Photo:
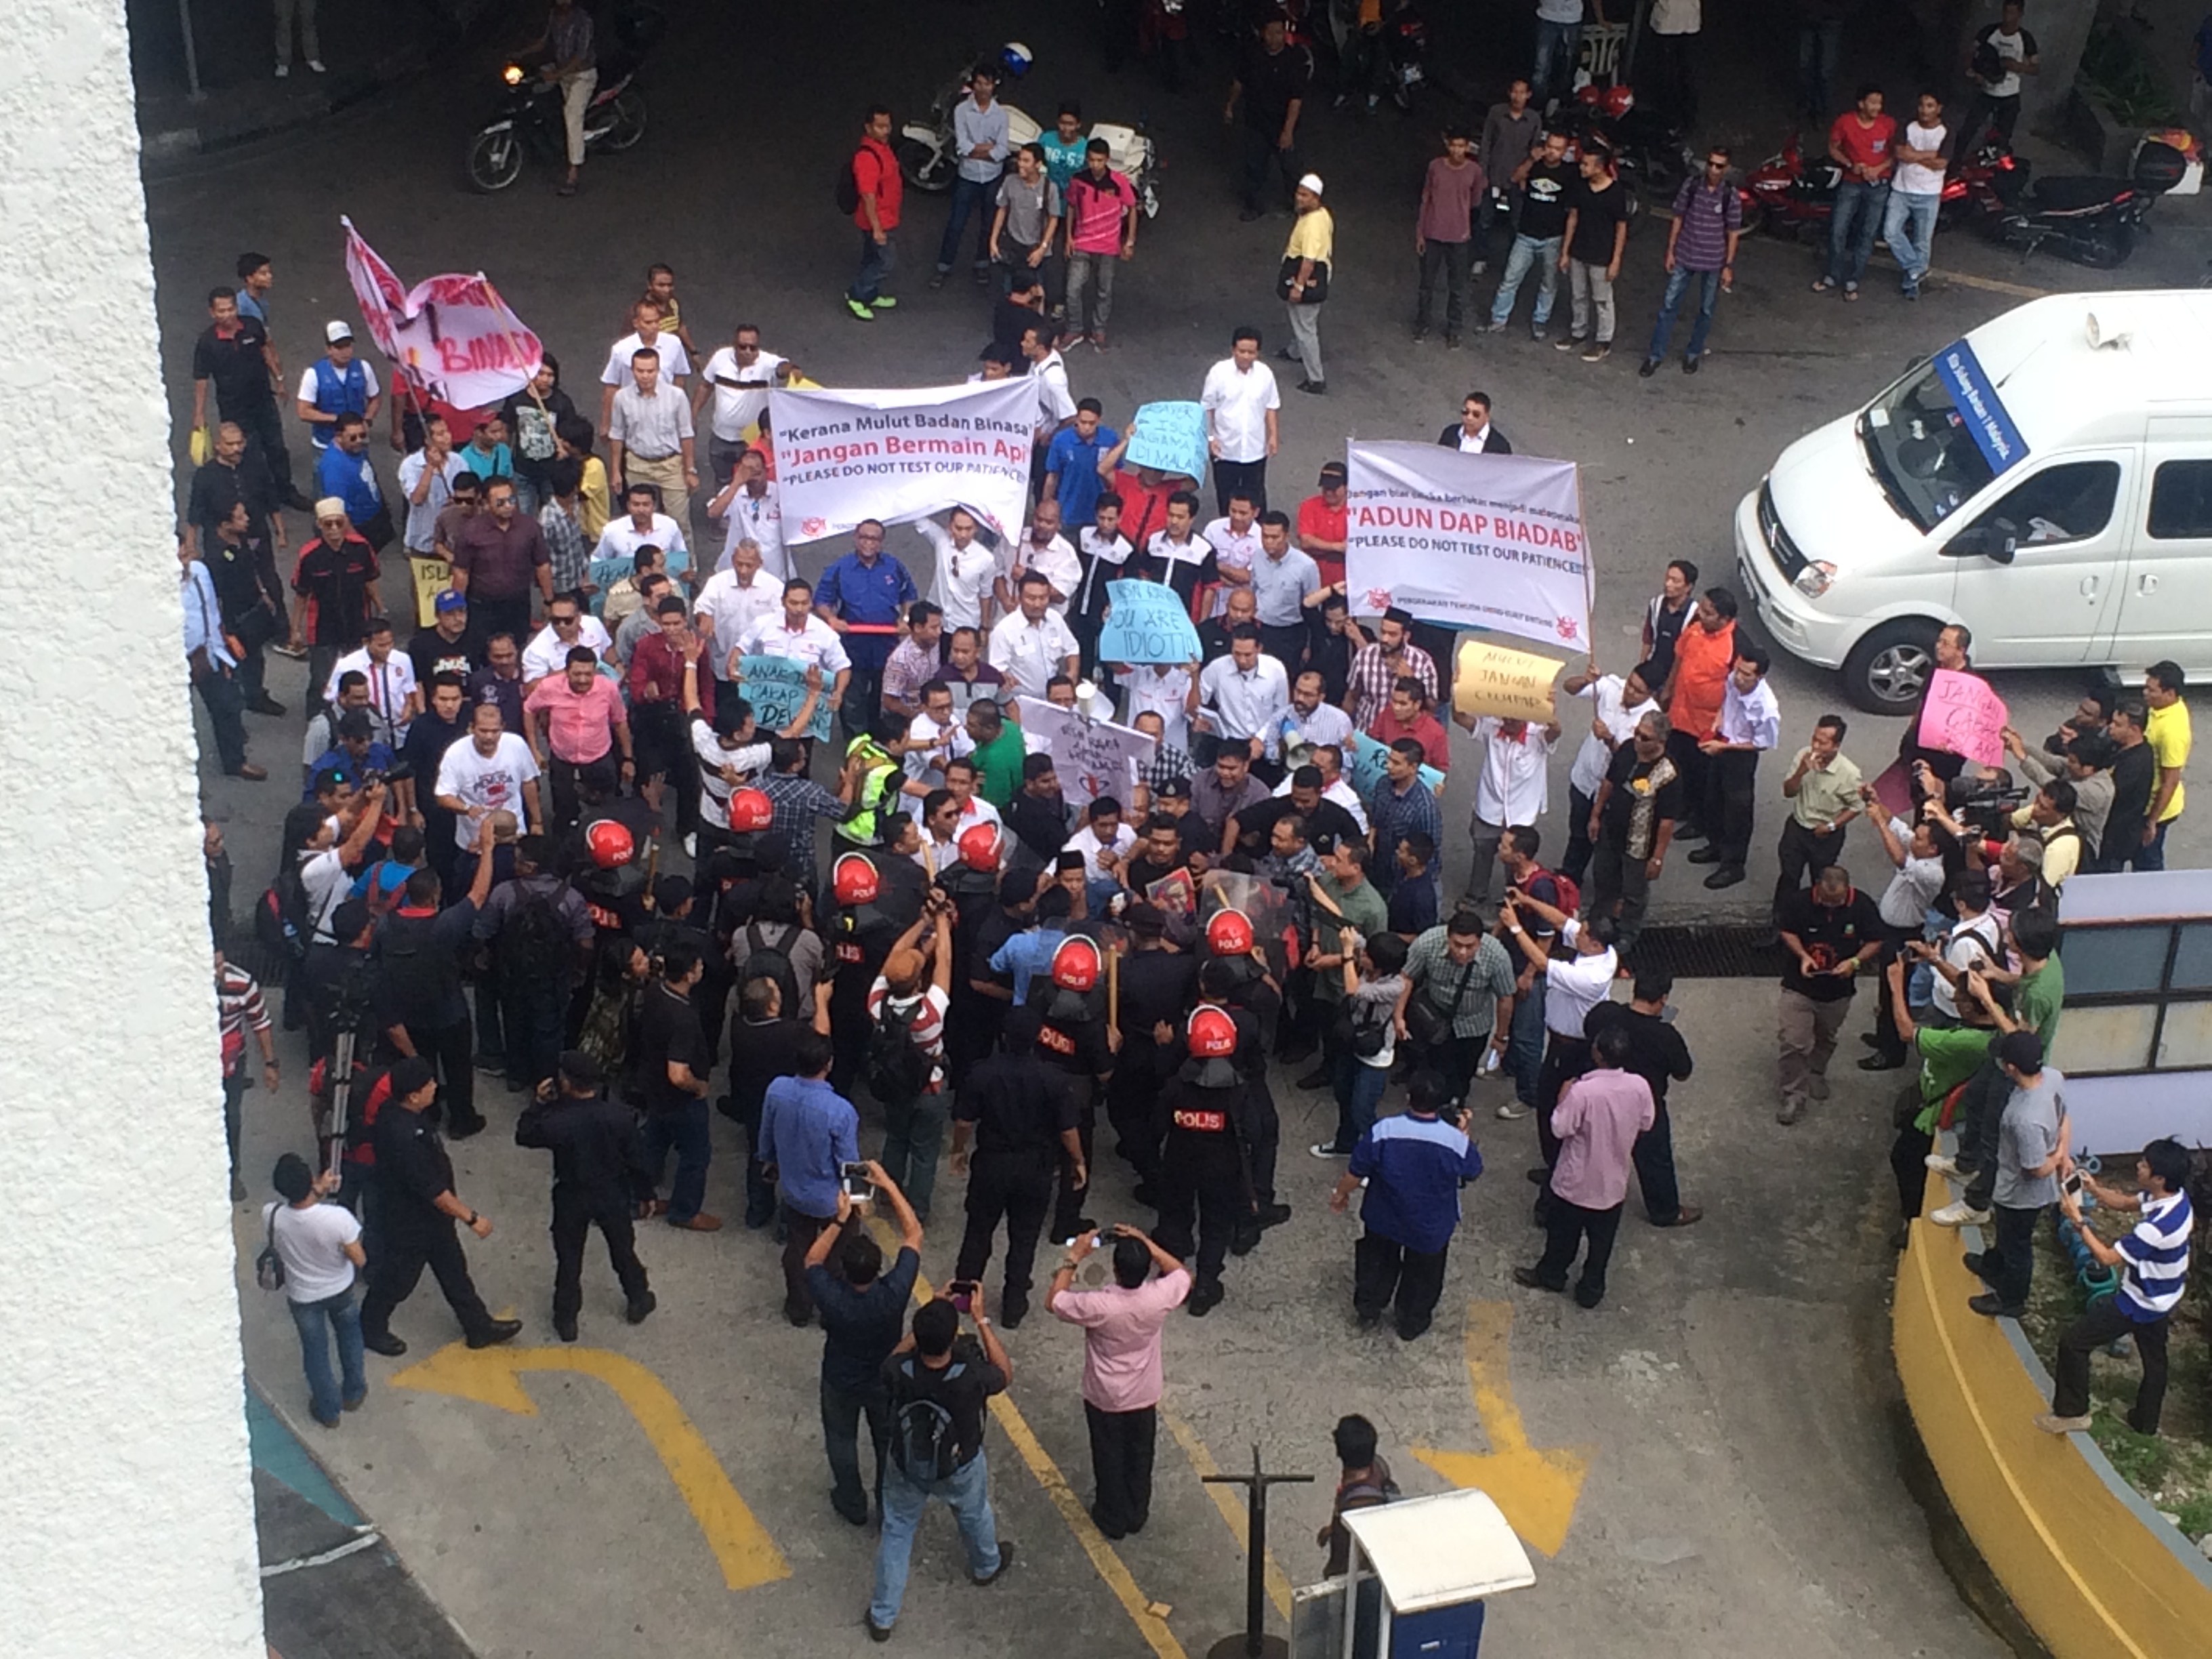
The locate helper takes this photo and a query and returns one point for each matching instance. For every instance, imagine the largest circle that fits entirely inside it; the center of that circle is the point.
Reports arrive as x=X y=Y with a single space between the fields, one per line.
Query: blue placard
x=1994 y=433
x=777 y=688
x=1147 y=624
x=1170 y=436
x=1363 y=764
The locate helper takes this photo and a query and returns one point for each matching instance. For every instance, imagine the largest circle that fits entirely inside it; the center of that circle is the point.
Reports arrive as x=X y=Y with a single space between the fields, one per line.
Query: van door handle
x=2147 y=584
x=2089 y=588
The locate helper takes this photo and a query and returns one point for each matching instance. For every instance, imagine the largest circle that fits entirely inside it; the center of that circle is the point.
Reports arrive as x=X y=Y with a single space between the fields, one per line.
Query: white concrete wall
x=126 y=1518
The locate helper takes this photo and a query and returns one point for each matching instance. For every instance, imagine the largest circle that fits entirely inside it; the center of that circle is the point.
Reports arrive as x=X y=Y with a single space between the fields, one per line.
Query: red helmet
x=1211 y=1034
x=1228 y=933
x=1075 y=964
x=610 y=843
x=854 y=880
x=979 y=847
x=750 y=809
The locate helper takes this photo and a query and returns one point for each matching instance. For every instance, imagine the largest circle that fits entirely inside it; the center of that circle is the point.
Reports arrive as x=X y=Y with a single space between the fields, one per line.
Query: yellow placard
x=1490 y=679
x=432 y=578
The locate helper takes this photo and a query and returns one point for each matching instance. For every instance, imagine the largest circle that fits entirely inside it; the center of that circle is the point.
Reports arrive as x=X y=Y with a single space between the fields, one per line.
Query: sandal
x=1851 y=290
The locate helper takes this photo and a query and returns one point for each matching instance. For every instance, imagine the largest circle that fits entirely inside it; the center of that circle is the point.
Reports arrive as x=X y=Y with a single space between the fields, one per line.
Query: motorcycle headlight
x=512 y=74
x=1815 y=579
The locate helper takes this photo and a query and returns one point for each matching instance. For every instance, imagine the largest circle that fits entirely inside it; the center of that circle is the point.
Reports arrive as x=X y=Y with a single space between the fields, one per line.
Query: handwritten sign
x=452 y=334
x=1170 y=436
x=1363 y=764
x=431 y=577
x=1147 y=623
x=777 y=688
x=1963 y=716
x=1491 y=680
x=1092 y=757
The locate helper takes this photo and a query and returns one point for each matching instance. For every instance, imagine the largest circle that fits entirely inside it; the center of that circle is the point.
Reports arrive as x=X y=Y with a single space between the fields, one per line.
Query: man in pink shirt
x=1121 y=1380
x=579 y=716
x=1597 y=1119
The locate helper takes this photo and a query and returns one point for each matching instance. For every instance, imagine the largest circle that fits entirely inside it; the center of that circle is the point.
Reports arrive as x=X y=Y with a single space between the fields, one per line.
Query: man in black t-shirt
x=1656 y=1054
x=1596 y=232
x=862 y=1308
x=1021 y=1109
x=452 y=644
x=668 y=1075
x=234 y=354
x=230 y=474
x=1544 y=177
x=1631 y=821
x=1830 y=930
x=1273 y=79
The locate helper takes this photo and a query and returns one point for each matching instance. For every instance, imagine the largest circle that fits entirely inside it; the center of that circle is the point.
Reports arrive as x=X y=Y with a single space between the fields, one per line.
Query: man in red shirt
x=1320 y=525
x=876 y=181
x=656 y=695
x=1406 y=715
x=1863 y=143
x=1143 y=492
x=578 y=716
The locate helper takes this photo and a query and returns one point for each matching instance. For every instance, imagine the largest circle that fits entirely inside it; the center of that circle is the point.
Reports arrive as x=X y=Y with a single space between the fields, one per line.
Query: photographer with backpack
x=937 y=1384
x=905 y=1067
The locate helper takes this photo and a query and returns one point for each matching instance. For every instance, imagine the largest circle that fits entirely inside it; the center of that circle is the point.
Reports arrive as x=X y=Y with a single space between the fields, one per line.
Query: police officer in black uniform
x=1021 y=1110
x=415 y=1187
x=975 y=1032
x=1065 y=1020
x=1204 y=1163
x=596 y=1161
x=876 y=896
x=1158 y=986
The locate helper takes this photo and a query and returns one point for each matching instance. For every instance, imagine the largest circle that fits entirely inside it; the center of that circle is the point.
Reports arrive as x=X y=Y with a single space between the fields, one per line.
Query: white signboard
x=845 y=456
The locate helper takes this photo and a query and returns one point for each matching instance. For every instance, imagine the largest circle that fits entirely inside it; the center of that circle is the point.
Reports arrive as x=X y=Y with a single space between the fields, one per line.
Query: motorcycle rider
x=573 y=62
x=980 y=139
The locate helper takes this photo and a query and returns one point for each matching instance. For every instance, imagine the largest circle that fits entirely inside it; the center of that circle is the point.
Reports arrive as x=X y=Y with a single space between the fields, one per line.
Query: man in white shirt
x=1618 y=702
x=933 y=736
x=1046 y=551
x=645 y=526
x=749 y=510
x=1750 y=725
x=1032 y=645
x=1310 y=721
x=1169 y=689
x=394 y=699
x=1235 y=538
x=1056 y=400
x=567 y=625
x=489 y=773
x=733 y=601
x=1511 y=790
x=650 y=436
x=738 y=377
x=425 y=484
x=796 y=633
x=1242 y=698
x=645 y=334
x=313 y=405
x=1916 y=193
x=1105 y=839
x=321 y=1246
x=1240 y=401
x=966 y=579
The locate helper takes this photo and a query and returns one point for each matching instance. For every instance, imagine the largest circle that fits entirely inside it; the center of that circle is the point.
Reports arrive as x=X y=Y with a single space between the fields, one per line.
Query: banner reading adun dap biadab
x=845 y=456
x=1472 y=541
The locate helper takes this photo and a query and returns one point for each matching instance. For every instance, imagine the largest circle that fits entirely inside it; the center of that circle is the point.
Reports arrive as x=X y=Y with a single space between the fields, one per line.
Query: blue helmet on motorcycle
x=1014 y=59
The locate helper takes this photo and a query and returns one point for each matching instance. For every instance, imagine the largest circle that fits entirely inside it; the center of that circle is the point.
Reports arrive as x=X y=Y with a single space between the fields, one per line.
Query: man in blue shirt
x=864 y=597
x=809 y=1133
x=355 y=753
x=344 y=470
x=1071 y=464
x=980 y=141
x=1413 y=1165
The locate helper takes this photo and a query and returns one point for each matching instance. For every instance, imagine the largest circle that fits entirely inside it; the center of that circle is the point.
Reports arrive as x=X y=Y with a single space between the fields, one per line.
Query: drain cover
x=1702 y=951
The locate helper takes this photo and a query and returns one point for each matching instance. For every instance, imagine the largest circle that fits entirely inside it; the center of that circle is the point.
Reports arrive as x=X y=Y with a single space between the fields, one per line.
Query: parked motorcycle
x=2090 y=219
x=528 y=118
x=1790 y=193
x=1643 y=144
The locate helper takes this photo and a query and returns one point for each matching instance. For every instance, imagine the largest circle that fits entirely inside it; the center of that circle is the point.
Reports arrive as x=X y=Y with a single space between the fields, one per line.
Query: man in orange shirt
x=877 y=186
x=1705 y=652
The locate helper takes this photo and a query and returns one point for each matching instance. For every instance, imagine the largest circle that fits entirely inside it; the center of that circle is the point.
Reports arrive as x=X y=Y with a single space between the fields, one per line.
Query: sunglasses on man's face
x=565 y=621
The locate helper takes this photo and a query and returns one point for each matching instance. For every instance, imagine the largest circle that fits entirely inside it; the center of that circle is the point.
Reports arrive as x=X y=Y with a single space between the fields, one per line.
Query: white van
x=2046 y=481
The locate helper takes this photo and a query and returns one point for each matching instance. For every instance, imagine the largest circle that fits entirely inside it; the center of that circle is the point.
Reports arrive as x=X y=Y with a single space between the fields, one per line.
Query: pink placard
x=1963 y=716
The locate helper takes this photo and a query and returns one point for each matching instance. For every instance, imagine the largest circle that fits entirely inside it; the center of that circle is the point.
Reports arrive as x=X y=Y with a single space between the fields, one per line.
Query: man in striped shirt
x=2153 y=1263
x=240 y=1009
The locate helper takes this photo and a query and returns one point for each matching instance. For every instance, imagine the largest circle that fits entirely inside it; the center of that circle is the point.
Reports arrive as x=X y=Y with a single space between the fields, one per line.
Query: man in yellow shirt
x=1305 y=278
x=573 y=435
x=2168 y=735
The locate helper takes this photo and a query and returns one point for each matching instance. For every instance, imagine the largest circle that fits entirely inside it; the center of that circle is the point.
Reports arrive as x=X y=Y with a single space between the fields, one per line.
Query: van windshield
x=1921 y=449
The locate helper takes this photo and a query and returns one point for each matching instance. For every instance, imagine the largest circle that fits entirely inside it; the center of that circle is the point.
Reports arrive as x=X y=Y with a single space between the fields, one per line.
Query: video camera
x=1987 y=807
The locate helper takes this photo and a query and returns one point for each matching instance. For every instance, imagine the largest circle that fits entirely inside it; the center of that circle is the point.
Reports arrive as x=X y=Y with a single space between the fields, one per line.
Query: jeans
x=877 y=260
x=1540 y=254
x=1850 y=234
x=310 y=46
x=913 y=1131
x=2152 y=855
x=1358 y=1090
x=1454 y=259
x=225 y=699
x=1590 y=292
x=1983 y=113
x=1818 y=47
x=1910 y=230
x=966 y=1493
x=1678 y=284
x=340 y=1316
x=1305 y=337
x=2008 y=1264
x=2103 y=1323
x=686 y=1129
x=1524 y=1043
x=1091 y=275
x=1559 y=46
x=969 y=196
x=841 y=1411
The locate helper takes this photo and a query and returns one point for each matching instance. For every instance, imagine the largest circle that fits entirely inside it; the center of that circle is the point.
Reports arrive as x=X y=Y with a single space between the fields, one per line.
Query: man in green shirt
x=1342 y=897
x=2037 y=992
x=1823 y=791
x=999 y=752
x=1949 y=1055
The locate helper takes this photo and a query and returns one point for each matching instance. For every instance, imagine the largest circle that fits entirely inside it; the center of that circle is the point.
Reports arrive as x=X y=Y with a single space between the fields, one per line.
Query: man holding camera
x=862 y=1307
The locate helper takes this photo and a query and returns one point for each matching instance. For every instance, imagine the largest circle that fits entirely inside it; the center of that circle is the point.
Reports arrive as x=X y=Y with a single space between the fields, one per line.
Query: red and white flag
x=453 y=336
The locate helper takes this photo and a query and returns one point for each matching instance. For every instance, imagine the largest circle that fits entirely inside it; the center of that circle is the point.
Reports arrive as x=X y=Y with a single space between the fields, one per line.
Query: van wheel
x=1889 y=668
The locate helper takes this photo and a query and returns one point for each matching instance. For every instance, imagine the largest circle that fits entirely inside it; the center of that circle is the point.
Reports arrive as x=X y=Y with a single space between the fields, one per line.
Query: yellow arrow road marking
x=1202 y=1463
x=1109 y=1565
x=493 y=1376
x=1535 y=1487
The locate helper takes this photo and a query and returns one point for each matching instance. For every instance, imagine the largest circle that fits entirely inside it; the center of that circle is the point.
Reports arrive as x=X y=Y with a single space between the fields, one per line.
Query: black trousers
x=1266 y=1140
x=1981 y=1110
x=1069 y=1209
x=1261 y=158
x=841 y=1411
x=1240 y=478
x=1887 y=1042
x=1692 y=766
x=1457 y=1060
x=1576 y=858
x=1565 y=1228
x=2008 y=1264
x=2100 y=1325
x=1132 y=1096
x=1287 y=644
x=422 y=1240
x=1801 y=851
x=451 y=1050
x=1201 y=1175
x=575 y=1214
x=1384 y=1271
x=1565 y=1058
x=1016 y=1187
x=1908 y=1162
x=1121 y=1466
x=1654 y=1157
x=1731 y=799
x=506 y=615
x=264 y=426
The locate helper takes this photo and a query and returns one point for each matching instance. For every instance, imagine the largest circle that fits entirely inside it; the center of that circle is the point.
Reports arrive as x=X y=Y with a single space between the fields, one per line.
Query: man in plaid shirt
x=1167 y=764
x=563 y=522
x=1402 y=804
x=797 y=802
x=1376 y=668
x=915 y=660
x=240 y=1009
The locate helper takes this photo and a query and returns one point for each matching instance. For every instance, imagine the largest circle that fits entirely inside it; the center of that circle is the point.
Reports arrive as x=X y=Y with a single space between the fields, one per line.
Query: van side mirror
x=1992 y=542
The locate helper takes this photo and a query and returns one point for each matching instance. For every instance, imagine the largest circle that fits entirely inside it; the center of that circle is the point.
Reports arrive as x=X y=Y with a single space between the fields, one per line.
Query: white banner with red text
x=1469 y=541
x=453 y=336
x=844 y=455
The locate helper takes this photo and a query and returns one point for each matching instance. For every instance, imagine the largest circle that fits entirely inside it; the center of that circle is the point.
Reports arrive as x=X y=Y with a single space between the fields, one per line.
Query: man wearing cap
x=335 y=574
x=1321 y=532
x=415 y=1179
x=1306 y=259
x=344 y=470
x=451 y=645
x=593 y=1142
x=336 y=383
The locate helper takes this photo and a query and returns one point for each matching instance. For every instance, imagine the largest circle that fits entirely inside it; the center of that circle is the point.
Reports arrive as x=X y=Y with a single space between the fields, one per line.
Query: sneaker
x=1452 y=342
x=860 y=308
x=875 y=1632
x=1324 y=1149
x=884 y=302
x=1539 y=333
x=1493 y=327
x=284 y=71
x=1420 y=333
x=1791 y=1110
x=1073 y=337
x=1566 y=342
x=1098 y=340
x=1957 y=1214
x=1005 y=1560
x=1598 y=352
x=2051 y=1422
x=1690 y=365
x=316 y=65
x=1911 y=291
x=691 y=845
x=1647 y=369
x=982 y=275
x=1511 y=1111
x=1480 y=266
x=1943 y=1163
x=936 y=278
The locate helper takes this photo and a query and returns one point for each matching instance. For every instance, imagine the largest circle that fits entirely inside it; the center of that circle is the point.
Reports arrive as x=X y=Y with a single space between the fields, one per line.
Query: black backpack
x=896 y=1069
x=533 y=947
x=766 y=961
x=924 y=1439
x=848 y=187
